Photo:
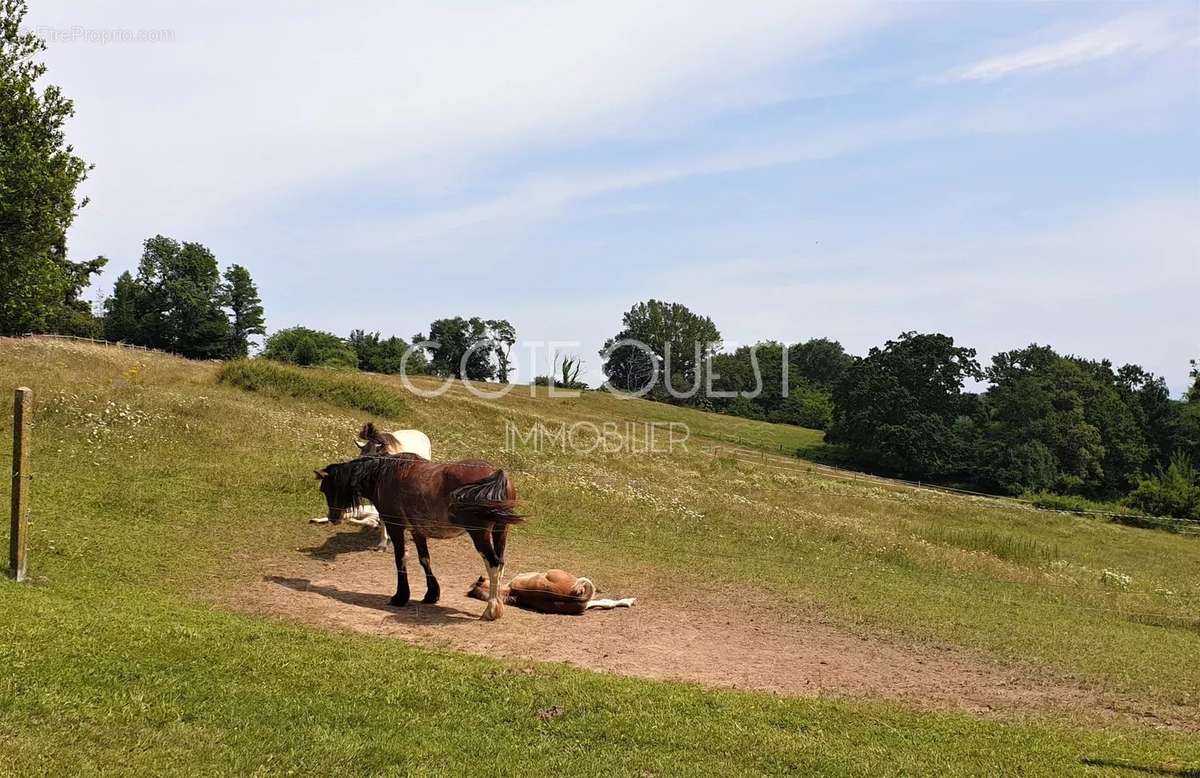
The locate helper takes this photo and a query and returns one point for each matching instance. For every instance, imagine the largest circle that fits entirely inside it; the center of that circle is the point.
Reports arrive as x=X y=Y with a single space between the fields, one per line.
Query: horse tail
x=489 y=501
x=587 y=589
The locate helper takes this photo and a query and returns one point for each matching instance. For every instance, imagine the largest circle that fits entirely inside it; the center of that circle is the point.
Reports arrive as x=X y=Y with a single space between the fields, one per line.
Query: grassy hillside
x=158 y=488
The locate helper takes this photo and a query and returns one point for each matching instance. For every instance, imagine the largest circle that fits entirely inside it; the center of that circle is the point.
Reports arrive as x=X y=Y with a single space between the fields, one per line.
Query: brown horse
x=432 y=500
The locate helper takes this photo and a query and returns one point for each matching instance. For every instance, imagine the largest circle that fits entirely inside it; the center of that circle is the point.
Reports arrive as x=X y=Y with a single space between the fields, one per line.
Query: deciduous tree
x=896 y=408
x=463 y=348
x=39 y=174
x=386 y=355
x=674 y=343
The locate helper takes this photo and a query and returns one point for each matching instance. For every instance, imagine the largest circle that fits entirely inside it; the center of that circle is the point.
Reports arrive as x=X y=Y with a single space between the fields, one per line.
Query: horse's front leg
x=494 y=564
x=432 y=590
x=396 y=531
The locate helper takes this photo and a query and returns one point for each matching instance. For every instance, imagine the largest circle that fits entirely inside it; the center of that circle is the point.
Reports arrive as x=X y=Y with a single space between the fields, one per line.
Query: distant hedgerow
x=346 y=389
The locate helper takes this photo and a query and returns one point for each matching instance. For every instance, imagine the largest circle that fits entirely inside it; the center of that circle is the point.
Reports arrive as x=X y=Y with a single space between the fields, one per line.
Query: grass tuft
x=1011 y=548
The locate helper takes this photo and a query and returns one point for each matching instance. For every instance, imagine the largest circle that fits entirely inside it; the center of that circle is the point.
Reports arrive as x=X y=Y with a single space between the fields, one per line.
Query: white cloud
x=251 y=103
x=1135 y=33
x=534 y=197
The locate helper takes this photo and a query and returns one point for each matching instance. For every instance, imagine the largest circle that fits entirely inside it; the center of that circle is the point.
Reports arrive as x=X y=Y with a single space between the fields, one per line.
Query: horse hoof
x=431 y=598
x=397 y=601
x=492 y=612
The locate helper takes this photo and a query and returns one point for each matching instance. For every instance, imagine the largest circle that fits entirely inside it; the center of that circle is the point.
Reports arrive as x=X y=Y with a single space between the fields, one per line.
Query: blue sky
x=1002 y=172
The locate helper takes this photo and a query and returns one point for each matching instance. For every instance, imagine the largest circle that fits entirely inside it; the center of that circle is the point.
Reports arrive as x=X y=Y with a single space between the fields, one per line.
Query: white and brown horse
x=373 y=441
x=430 y=500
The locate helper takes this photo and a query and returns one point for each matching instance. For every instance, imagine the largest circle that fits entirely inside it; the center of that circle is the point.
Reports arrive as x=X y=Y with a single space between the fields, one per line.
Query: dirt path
x=732 y=639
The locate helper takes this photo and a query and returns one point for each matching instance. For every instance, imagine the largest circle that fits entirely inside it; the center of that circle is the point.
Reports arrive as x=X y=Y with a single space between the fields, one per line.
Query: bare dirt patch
x=732 y=638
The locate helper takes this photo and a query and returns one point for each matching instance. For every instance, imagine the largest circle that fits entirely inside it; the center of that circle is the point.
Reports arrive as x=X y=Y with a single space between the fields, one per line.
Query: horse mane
x=370 y=432
x=350 y=482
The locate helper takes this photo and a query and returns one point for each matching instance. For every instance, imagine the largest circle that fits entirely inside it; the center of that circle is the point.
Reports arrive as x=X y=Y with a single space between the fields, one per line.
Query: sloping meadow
x=1113 y=605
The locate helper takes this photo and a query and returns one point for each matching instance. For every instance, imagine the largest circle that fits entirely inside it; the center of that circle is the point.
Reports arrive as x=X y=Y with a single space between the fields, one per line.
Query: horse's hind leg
x=383 y=535
x=500 y=541
x=482 y=538
x=396 y=531
x=432 y=590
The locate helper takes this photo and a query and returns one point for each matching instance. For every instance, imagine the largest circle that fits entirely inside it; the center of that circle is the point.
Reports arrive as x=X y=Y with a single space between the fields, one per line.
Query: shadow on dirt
x=363 y=539
x=416 y=612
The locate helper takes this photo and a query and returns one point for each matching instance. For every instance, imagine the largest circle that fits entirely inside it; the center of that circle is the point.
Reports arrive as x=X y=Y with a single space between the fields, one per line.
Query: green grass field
x=157 y=487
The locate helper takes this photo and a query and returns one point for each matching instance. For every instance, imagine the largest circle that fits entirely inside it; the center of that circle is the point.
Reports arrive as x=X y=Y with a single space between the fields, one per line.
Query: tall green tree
x=386 y=355
x=75 y=315
x=1193 y=394
x=672 y=344
x=240 y=296
x=123 y=311
x=819 y=362
x=181 y=298
x=464 y=348
x=39 y=173
x=1155 y=413
x=503 y=337
x=757 y=373
x=1078 y=411
x=899 y=408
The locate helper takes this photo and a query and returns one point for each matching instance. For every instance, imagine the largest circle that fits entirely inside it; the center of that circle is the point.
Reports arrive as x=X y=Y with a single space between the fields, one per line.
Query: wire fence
x=98 y=342
x=1187 y=619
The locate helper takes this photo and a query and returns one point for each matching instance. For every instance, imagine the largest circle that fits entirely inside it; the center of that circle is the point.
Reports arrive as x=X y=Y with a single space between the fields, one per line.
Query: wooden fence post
x=18 y=533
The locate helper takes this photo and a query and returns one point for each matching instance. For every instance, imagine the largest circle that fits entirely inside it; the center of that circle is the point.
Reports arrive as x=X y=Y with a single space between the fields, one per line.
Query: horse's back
x=413 y=442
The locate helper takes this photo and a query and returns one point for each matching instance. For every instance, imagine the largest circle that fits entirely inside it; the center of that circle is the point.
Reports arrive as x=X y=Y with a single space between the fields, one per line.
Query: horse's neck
x=370 y=485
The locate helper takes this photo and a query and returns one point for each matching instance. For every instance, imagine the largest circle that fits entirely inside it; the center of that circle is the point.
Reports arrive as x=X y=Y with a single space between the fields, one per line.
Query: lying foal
x=554 y=591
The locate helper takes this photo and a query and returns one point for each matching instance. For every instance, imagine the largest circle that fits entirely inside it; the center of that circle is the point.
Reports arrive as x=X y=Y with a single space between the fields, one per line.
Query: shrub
x=805 y=407
x=276 y=380
x=1171 y=492
x=302 y=346
x=557 y=383
x=743 y=407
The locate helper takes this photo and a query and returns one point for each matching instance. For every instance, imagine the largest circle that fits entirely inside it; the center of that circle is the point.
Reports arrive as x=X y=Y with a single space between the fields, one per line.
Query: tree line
x=1046 y=422
x=666 y=352
x=473 y=348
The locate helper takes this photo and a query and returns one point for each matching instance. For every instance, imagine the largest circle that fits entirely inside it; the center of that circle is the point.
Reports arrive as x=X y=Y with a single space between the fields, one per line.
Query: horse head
x=372 y=442
x=340 y=497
